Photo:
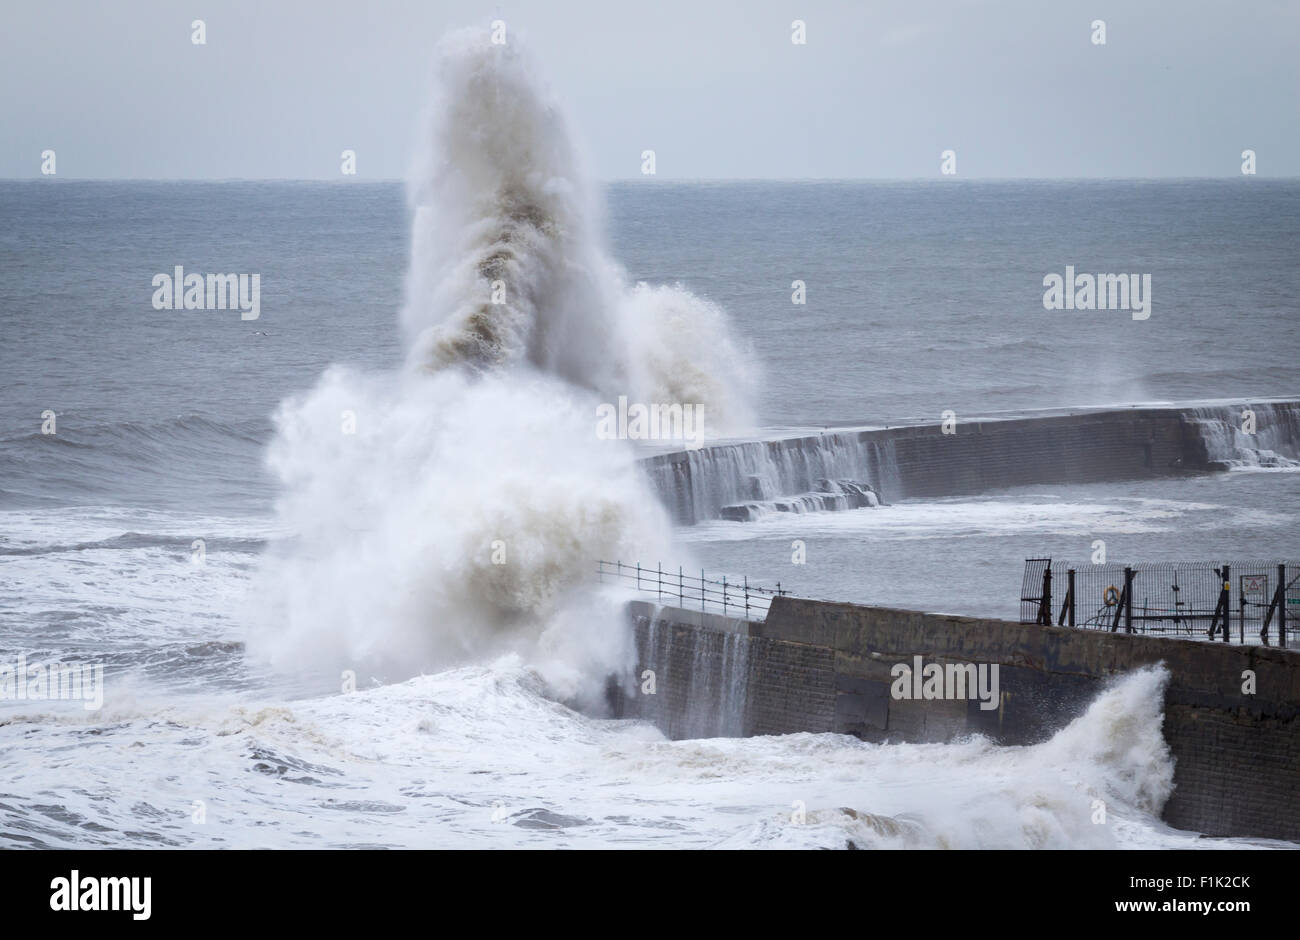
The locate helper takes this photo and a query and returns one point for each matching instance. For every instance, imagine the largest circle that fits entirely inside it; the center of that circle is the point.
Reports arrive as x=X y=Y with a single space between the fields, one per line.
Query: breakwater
x=827 y=667
x=741 y=480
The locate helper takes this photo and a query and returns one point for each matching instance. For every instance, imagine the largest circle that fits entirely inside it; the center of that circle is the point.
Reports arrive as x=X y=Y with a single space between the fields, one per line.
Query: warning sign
x=1254 y=584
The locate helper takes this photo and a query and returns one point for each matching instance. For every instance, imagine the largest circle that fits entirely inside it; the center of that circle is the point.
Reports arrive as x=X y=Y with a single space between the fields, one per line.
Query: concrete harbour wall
x=825 y=667
x=918 y=461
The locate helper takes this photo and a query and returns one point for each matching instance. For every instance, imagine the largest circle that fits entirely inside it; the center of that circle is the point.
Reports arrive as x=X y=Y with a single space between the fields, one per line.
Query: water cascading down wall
x=824 y=667
x=816 y=666
x=921 y=461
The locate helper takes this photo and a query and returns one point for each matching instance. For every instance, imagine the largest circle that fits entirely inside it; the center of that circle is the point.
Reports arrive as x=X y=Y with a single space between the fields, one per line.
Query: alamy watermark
x=41 y=682
x=181 y=291
x=78 y=893
x=1098 y=292
x=928 y=681
x=653 y=422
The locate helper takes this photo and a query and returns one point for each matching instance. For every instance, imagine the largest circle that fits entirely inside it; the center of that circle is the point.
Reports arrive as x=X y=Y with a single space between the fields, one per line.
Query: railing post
x=1065 y=603
x=659 y=583
x=1241 y=618
x=1241 y=615
x=1281 y=605
x=746 y=597
x=1128 y=600
x=1225 y=596
x=1214 y=619
x=638 y=575
x=724 y=595
x=681 y=594
x=1045 y=602
x=1071 y=590
x=701 y=590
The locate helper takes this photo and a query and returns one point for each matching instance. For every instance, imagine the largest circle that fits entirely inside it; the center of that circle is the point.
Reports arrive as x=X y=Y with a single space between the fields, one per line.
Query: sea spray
x=459 y=521
x=1117 y=745
x=1100 y=782
x=427 y=762
x=454 y=510
x=507 y=266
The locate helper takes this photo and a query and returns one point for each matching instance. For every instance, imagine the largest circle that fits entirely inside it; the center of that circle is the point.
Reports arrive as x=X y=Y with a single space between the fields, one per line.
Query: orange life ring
x=1112 y=596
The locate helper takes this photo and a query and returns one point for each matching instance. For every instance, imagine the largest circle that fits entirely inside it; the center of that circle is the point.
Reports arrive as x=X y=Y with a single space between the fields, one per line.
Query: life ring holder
x=1111 y=596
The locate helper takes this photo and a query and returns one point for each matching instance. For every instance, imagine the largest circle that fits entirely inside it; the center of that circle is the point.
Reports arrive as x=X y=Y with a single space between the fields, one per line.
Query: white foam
x=465 y=515
x=984 y=517
x=482 y=756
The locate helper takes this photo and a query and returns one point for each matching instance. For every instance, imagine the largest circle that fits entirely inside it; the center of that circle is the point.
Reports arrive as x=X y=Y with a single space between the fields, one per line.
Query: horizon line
x=653 y=180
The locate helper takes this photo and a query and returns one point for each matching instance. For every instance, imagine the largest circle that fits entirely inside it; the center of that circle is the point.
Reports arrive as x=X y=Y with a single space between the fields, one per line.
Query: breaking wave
x=454 y=509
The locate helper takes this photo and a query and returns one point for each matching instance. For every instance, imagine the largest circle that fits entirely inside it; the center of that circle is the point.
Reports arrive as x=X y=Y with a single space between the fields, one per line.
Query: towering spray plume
x=463 y=516
x=504 y=267
x=507 y=265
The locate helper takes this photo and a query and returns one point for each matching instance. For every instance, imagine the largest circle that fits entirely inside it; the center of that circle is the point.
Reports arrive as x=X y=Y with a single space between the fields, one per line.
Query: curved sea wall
x=981 y=455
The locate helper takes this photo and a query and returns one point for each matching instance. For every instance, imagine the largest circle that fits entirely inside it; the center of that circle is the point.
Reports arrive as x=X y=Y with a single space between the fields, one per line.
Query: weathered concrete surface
x=817 y=666
x=713 y=679
x=910 y=461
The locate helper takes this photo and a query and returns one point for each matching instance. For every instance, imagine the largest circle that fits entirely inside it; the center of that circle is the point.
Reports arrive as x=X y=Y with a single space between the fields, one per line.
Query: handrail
x=733 y=598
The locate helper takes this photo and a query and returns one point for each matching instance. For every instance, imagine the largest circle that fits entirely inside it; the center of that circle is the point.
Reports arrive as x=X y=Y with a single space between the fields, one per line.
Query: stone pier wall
x=818 y=666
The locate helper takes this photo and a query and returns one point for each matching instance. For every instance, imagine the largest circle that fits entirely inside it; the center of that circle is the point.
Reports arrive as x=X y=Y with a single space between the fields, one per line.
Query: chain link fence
x=1233 y=602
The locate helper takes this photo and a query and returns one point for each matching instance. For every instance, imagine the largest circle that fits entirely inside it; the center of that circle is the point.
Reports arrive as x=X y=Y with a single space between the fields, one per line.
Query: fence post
x=746 y=597
x=1225 y=596
x=1241 y=617
x=724 y=595
x=1071 y=589
x=1045 y=604
x=681 y=590
x=1065 y=604
x=701 y=593
x=1220 y=573
x=659 y=583
x=1128 y=600
x=638 y=575
x=1281 y=605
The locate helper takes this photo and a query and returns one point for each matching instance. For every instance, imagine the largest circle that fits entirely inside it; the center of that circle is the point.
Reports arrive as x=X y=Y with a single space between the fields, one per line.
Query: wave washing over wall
x=742 y=480
x=969 y=793
x=480 y=756
x=1273 y=445
x=755 y=476
x=977 y=794
x=451 y=510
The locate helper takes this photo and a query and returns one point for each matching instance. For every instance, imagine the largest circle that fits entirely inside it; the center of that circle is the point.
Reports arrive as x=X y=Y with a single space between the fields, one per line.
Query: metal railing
x=733 y=598
x=1196 y=600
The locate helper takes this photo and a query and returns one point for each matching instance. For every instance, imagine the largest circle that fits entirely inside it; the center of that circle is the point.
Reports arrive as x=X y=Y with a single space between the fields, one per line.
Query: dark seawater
x=171 y=408
x=922 y=297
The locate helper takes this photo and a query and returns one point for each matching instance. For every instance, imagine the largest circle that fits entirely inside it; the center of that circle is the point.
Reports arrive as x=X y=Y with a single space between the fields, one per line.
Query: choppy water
x=921 y=298
x=480 y=757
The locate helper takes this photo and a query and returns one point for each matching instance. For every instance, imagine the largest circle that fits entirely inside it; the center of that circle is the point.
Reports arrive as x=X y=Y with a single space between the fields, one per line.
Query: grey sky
x=717 y=89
